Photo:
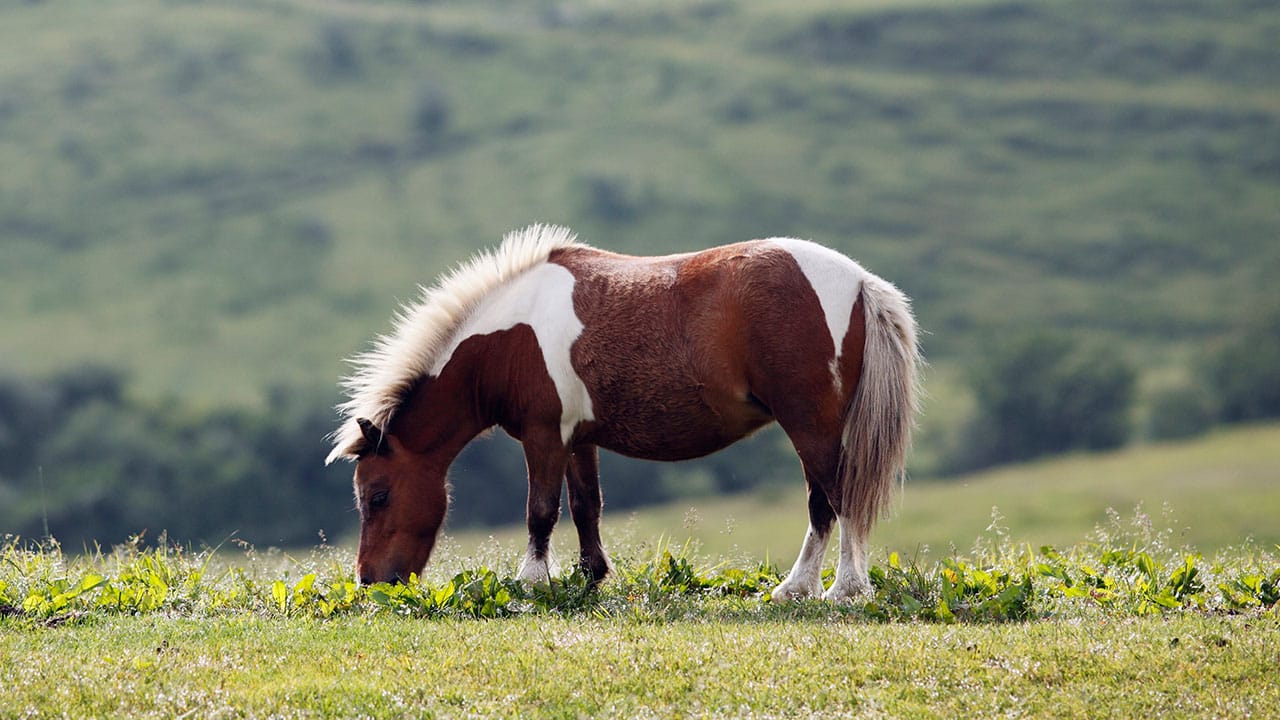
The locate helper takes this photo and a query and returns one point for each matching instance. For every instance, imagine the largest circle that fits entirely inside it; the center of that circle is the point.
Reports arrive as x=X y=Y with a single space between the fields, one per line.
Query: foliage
x=1004 y=584
x=1244 y=371
x=87 y=462
x=1180 y=411
x=955 y=591
x=1042 y=393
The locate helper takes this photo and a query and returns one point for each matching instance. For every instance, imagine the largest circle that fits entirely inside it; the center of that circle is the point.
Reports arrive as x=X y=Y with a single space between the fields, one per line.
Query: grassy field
x=1129 y=616
x=565 y=667
x=1126 y=629
x=1211 y=493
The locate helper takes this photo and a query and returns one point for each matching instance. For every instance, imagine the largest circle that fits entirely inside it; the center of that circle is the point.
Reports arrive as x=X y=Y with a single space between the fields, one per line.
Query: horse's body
x=569 y=348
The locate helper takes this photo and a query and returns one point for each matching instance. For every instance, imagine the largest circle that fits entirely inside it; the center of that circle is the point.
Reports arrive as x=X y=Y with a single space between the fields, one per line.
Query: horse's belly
x=679 y=432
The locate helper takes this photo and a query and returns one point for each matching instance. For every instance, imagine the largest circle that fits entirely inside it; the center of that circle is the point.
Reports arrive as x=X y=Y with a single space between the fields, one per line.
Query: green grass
x=551 y=667
x=1212 y=493
x=1127 y=628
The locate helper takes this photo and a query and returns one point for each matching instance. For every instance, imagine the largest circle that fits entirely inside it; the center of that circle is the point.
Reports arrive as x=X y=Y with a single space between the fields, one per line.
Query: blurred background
x=206 y=205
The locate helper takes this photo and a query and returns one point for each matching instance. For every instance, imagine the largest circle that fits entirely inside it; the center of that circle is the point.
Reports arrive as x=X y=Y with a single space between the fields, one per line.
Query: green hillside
x=206 y=205
x=1209 y=494
x=220 y=196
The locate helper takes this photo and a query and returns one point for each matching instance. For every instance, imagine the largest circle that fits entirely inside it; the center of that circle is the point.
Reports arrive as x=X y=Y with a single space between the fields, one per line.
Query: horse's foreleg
x=585 y=504
x=805 y=578
x=546 y=462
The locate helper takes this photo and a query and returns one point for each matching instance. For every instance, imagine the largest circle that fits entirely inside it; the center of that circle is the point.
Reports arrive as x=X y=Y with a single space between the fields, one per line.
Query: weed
x=1008 y=584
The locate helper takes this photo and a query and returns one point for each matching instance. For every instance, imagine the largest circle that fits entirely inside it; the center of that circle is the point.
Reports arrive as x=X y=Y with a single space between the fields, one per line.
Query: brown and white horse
x=569 y=348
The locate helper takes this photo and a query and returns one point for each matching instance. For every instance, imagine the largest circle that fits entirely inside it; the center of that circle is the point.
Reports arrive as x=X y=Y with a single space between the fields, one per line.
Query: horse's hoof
x=535 y=572
x=847 y=593
x=794 y=591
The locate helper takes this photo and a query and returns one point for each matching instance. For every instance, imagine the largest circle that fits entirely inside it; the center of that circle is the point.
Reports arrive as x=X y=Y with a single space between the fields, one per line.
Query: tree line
x=83 y=461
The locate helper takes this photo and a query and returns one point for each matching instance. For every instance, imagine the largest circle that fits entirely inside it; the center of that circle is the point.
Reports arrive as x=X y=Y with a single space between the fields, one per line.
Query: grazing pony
x=569 y=348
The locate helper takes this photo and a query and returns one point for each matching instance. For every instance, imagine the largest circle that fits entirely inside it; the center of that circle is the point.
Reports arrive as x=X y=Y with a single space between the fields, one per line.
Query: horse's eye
x=379 y=499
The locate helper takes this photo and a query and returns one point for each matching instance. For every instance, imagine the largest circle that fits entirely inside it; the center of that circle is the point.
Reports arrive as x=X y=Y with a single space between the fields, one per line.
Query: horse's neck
x=493 y=378
x=438 y=418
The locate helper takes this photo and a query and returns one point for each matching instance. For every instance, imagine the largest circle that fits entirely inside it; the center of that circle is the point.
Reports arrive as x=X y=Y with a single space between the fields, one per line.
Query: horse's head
x=402 y=499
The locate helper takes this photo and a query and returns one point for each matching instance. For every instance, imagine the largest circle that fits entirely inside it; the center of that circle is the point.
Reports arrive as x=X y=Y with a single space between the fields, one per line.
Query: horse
x=570 y=348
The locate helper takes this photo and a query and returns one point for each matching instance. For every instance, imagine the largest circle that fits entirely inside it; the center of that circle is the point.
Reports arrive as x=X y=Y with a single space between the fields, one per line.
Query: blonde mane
x=422 y=330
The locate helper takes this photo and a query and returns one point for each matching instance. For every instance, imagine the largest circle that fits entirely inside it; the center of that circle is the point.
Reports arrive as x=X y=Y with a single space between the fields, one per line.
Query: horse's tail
x=881 y=415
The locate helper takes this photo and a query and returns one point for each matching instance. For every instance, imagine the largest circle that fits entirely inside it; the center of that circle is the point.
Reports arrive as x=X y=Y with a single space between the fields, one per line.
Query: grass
x=1126 y=628
x=1212 y=493
x=571 y=667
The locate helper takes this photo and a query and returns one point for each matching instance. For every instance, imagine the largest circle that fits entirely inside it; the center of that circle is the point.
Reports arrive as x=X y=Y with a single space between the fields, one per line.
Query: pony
x=569 y=348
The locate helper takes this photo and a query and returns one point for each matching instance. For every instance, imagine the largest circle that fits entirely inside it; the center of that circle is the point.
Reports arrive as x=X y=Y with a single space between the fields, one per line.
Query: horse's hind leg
x=814 y=423
x=805 y=579
x=851 y=574
x=585 y=504
x=821 y=471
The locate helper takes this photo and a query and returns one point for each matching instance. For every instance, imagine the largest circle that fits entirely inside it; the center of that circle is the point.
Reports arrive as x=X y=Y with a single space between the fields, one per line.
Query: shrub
x=77 y=452
x=1180 y=411
x=1244 y=372
x=612 y=199
x=1043 y=393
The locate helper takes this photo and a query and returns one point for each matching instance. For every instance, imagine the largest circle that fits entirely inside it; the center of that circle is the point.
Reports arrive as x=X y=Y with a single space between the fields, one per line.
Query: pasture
x=1123 y=630
x=1126 y=618
x=554 y=666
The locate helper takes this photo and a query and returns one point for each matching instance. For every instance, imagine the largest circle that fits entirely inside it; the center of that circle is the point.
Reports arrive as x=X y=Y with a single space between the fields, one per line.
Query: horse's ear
x=371 y=433
x=373 y=438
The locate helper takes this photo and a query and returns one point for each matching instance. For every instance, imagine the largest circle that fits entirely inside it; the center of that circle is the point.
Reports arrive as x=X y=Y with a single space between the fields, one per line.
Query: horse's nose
x=366 y=580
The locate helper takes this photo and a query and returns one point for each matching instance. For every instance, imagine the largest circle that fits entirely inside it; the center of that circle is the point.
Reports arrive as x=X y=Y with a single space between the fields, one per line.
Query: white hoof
x=847 y=591
x=535 y=571
x=796 y=590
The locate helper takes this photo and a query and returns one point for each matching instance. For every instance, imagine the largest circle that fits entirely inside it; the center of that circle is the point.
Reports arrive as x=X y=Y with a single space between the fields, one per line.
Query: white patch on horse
x=541 y=298
x=534 y=569
x=836 y=280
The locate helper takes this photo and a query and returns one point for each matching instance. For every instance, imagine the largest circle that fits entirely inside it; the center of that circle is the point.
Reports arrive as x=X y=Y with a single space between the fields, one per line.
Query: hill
x=213 y=203
x=223 y=196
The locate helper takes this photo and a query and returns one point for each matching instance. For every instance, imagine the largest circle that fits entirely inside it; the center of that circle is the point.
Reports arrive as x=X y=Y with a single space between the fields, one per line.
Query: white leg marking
x=534 y=569
x=851 y=574
x=541 y=298
x=836 y=280
x=805 y=578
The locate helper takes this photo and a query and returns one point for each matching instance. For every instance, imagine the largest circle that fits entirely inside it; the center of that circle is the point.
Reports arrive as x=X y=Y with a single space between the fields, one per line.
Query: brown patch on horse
x=660 y=352
x=502 y=377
